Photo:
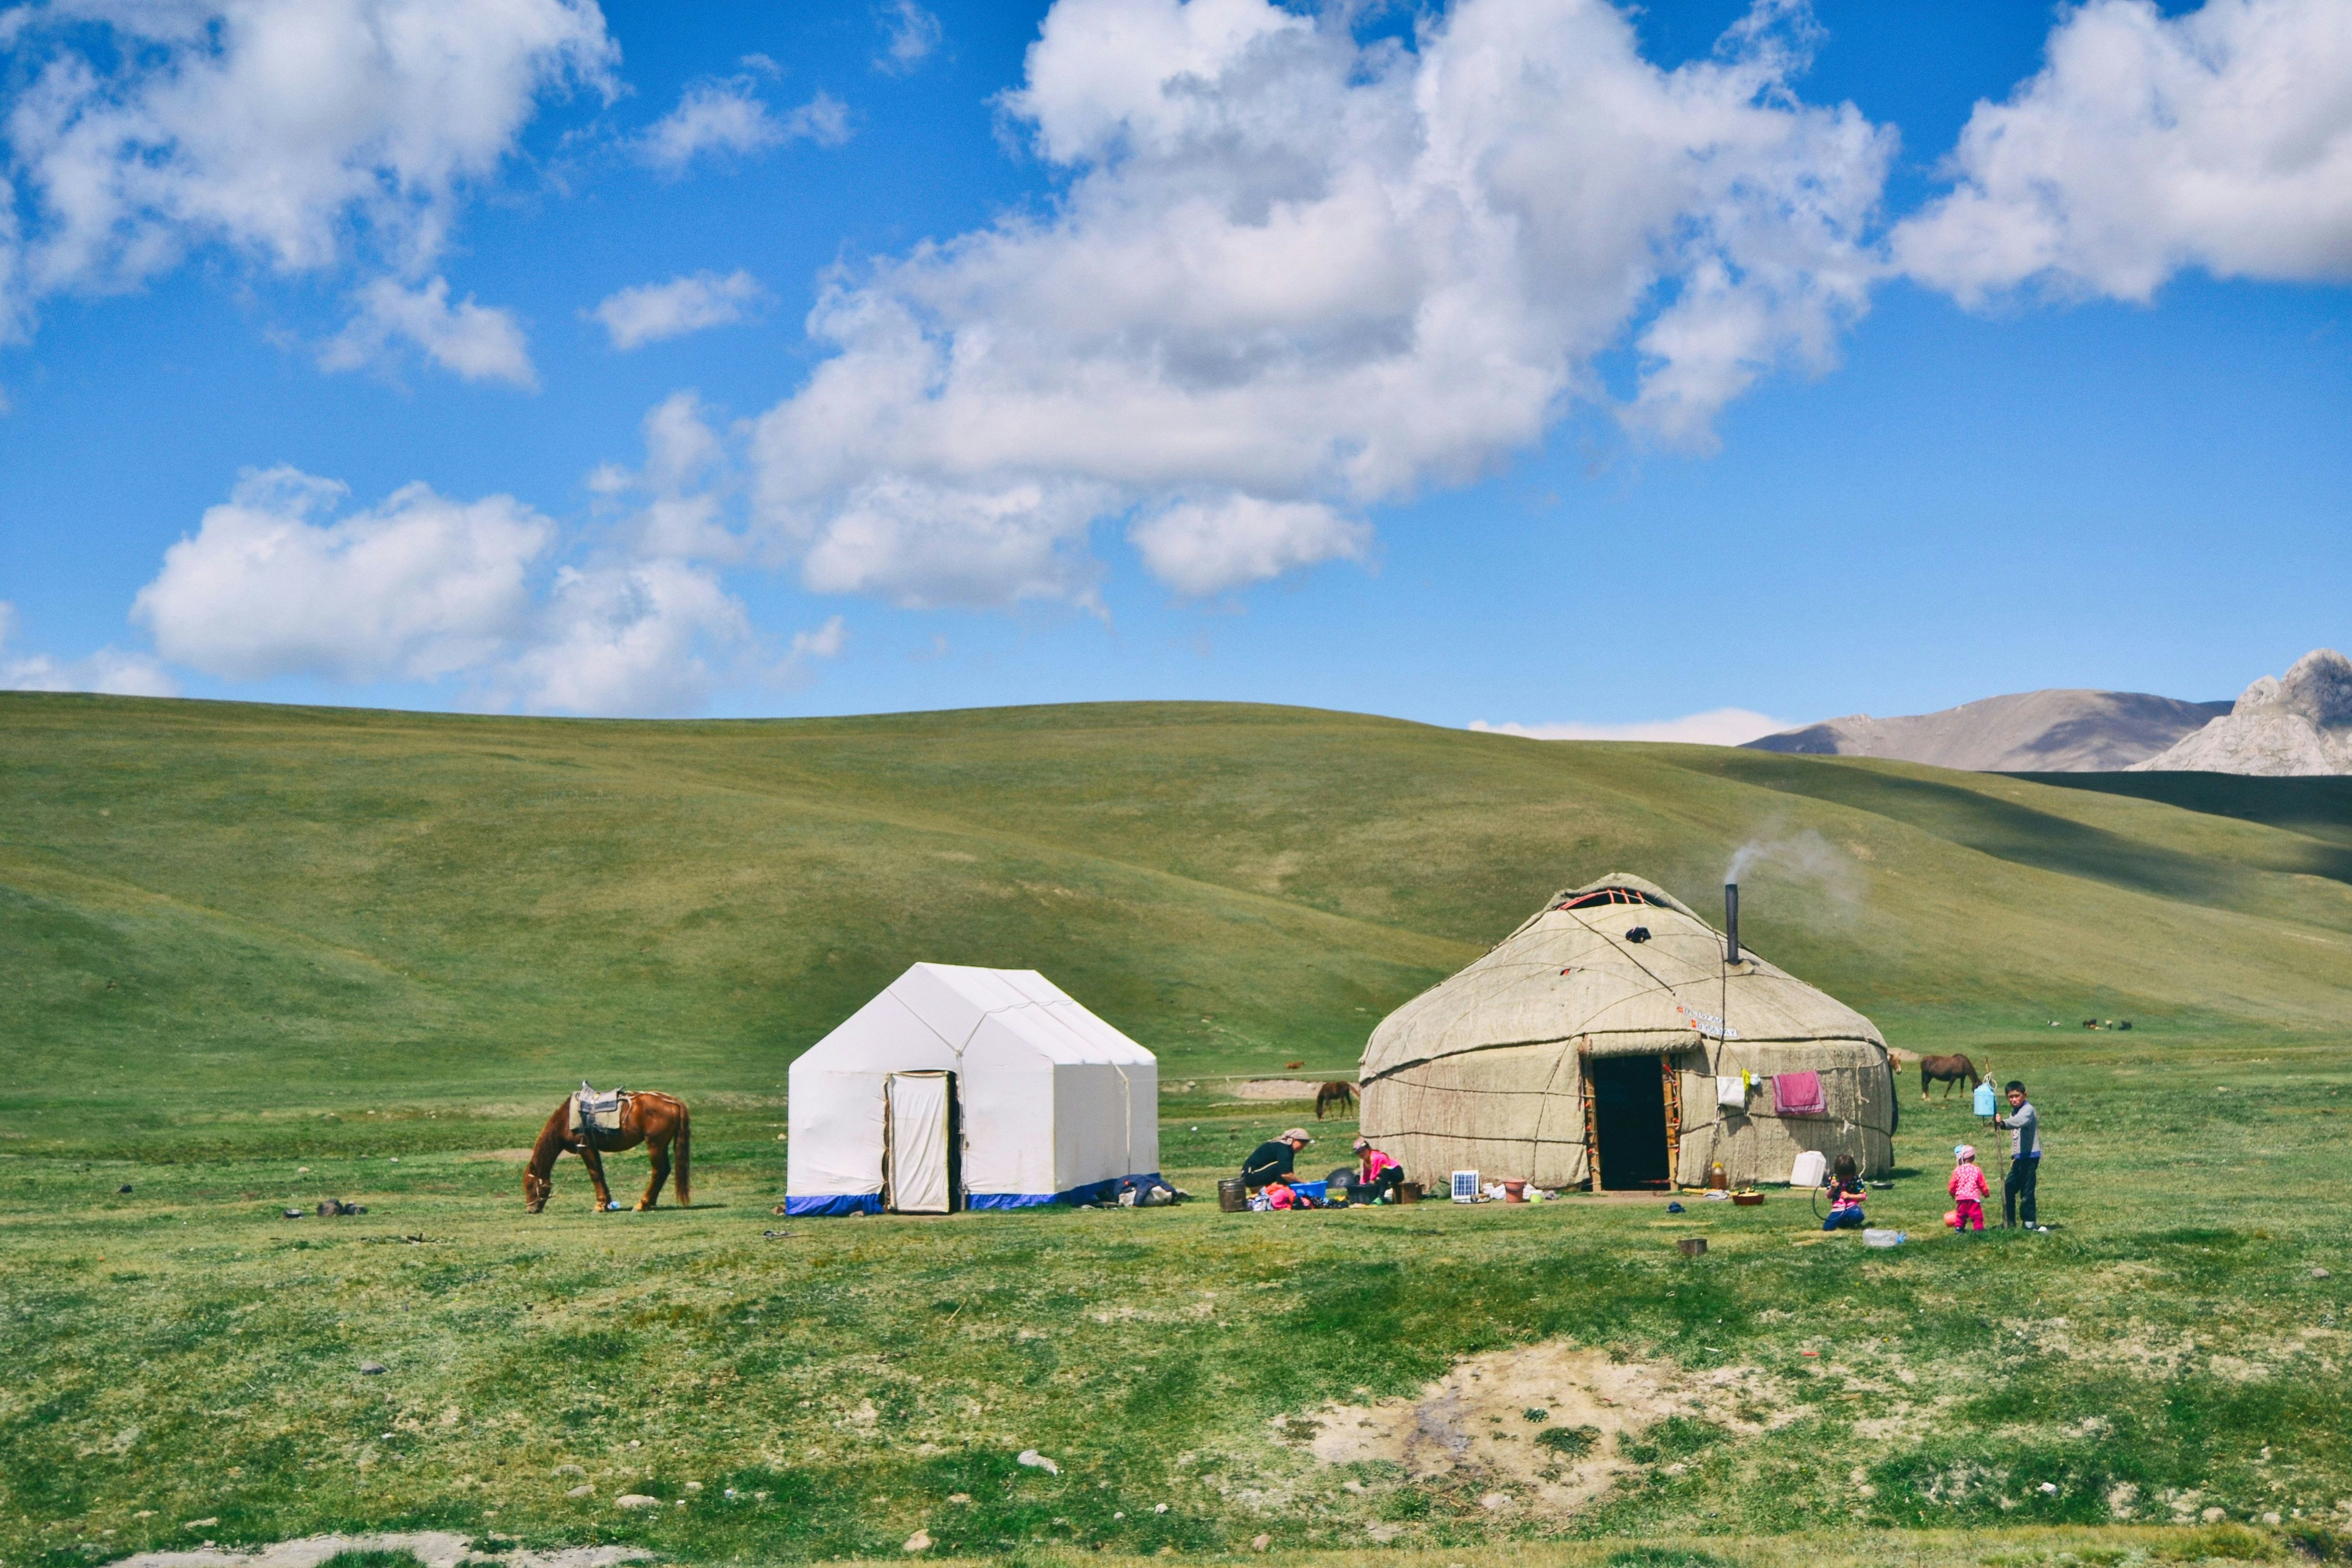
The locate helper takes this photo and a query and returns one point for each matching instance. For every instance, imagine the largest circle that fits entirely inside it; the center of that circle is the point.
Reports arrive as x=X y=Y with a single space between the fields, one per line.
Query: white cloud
x=1717 y=727
x=109 y=670
x=923 y=545
x=808 y=647
x=1293 y=270
x=296 y=132
x=728 y=116
x=680 y=496
x=914 y=35
x=1202 y=547
x=650 y=312
x=824 y=120
x=627 y=637
x=477 y=343
x=421 y=587
x=427 y=588
x=2219 y=139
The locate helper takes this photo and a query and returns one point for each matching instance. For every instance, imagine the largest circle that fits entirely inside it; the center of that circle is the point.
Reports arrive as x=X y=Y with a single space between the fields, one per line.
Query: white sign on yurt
x=960 y=1088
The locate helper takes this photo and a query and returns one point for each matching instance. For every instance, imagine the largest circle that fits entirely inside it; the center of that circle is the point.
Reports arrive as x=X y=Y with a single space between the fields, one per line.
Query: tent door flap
x=1629 y=1123
x=919 y=1139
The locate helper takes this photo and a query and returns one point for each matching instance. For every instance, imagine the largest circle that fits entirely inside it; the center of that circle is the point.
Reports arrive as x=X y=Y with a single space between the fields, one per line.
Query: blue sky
x=1521 y=361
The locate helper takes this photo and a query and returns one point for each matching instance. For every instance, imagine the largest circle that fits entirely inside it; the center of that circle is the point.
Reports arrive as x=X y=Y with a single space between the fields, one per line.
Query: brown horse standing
x=655 y=1121
x=1948 y=1071
x=1334 y=1094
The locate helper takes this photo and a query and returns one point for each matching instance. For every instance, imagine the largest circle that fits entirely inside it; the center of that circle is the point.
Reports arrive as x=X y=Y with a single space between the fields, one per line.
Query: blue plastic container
x=1988 y=1103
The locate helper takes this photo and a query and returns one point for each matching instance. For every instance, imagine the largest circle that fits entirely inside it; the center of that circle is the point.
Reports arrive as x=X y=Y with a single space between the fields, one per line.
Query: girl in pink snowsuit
x=1968 y=1188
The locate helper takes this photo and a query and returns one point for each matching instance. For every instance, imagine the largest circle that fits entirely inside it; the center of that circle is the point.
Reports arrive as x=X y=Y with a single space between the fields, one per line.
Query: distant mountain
x=2028 y=732
x=2295 y=726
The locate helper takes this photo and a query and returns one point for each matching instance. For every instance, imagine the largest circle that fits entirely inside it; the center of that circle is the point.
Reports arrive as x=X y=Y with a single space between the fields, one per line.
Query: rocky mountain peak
x=2298 y=724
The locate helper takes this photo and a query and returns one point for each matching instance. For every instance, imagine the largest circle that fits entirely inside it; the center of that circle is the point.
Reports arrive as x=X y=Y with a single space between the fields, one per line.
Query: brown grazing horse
x=1948 y=1071
x=655 y=1121
x=1334 y=1094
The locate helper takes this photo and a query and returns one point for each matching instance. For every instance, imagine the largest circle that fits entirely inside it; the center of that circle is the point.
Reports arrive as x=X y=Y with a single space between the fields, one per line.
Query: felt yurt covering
x=1038 y=1100
x=1495 y=1069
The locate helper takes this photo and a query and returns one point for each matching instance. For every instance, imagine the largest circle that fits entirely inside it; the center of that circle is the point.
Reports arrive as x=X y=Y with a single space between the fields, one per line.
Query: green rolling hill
x=294 y=906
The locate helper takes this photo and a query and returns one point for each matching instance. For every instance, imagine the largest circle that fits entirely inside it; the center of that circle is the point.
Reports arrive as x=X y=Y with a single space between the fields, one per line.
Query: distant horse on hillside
x=657 y=1120
x=1948 y=1071
x=1334 y=1095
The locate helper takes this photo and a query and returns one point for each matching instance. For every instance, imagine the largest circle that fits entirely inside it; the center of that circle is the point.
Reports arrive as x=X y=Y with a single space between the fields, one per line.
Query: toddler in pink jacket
x=1969 y=1189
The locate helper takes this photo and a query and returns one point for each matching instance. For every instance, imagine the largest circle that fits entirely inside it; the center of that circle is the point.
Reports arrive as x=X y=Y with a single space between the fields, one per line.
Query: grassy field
x=252 y=957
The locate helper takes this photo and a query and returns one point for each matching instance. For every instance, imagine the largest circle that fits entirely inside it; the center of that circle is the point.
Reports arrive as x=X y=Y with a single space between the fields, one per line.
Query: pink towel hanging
x=1797 y=1094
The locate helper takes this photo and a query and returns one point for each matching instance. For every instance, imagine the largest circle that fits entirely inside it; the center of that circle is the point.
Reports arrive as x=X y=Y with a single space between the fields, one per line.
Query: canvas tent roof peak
x=1641 y=885
x=1582 y=973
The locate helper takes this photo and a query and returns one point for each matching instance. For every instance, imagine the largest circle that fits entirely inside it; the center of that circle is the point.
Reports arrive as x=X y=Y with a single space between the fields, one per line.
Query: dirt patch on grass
x=433 y=1548
x=504 y=1156
x=1273 y=1089
x=1549 y=1425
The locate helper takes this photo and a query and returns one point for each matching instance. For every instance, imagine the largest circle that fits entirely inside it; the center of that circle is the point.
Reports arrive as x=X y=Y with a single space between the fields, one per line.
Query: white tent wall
x=1057 y=1105
x=1095 y=1141
x=1008 y=1117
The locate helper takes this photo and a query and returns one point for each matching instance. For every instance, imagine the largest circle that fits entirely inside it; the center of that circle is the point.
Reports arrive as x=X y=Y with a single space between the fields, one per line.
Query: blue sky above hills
x=1525 y=362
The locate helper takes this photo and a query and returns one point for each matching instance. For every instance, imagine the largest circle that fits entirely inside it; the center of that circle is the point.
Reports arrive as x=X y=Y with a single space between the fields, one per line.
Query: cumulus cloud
x=728 y=116
x=627 y=637
x=1717 y=727
x=651 y=313
x=272 y=584
x=1296 y=273
x=808 y=648
x=677 y=500
x=2219 y=139
x=296 y=134
x=109 y=670
x=914 y=35
x=477 y=343
x=1206 y=547
x=283 y=579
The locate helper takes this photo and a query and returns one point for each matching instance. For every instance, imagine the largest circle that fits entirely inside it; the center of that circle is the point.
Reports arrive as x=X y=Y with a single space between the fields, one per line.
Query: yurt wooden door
x=1631 y=1130
x=920 y=1139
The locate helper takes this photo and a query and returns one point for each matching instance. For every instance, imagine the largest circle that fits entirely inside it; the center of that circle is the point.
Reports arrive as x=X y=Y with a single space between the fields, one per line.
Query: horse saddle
x=594 y=1113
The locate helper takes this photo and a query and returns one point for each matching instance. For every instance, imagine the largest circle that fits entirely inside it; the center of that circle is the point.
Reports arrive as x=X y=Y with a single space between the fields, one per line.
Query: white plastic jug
x=1873 y=1237
x=1988 y=1104
x=1808 y=1168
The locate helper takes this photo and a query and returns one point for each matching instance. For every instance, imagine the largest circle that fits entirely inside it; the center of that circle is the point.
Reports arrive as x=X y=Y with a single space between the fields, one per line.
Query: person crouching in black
x=1274 y=1158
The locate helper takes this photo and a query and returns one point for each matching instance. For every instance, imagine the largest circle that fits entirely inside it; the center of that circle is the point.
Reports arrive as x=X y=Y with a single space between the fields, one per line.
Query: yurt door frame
x=922 y=1143
x=1629 y=1096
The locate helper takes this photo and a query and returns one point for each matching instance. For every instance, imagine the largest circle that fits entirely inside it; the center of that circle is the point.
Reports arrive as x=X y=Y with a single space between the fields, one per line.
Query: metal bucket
x=1233 y=1196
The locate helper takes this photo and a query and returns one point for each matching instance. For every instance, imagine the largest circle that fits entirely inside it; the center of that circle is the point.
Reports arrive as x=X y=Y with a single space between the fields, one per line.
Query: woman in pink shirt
x=1377 y=1176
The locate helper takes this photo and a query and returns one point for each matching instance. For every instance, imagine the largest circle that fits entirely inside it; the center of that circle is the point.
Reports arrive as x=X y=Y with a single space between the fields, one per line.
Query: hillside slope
x=292 y=906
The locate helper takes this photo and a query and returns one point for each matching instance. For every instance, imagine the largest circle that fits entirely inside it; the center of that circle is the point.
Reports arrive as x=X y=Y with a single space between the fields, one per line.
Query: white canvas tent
x=962 y=1088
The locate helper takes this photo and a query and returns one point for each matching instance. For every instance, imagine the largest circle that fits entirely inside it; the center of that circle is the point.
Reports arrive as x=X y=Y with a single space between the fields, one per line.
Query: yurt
x=1611 y=1041
x=960 y=1088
